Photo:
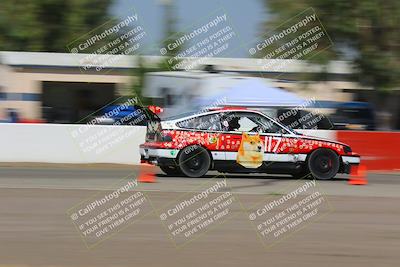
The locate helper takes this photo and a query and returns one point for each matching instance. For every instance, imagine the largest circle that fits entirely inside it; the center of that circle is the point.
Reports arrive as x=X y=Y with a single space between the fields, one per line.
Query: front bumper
x=351 y=159
x=349 y=162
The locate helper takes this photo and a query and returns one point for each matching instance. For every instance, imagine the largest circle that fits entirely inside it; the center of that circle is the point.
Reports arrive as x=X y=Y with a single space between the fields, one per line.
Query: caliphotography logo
x=282 y=215
x=300 y=37
x=108 y=212
x=195 y=213
x=105 y=47
x=212 y=36
x=110 y=128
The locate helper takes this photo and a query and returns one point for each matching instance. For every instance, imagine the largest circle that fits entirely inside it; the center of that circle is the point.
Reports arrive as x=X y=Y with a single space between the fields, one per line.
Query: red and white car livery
x=240 y=140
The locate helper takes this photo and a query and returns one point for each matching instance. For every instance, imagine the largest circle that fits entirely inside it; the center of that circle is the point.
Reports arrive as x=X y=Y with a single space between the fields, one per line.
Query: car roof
x=230 y=109
x=223 y=109
x=195 y=114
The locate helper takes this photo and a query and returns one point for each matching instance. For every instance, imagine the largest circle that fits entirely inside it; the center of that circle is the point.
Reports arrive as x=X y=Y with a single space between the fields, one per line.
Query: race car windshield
x=269 y=126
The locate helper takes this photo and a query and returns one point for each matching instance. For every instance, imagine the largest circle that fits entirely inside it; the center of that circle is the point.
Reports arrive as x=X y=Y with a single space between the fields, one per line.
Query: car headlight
x=347 y=149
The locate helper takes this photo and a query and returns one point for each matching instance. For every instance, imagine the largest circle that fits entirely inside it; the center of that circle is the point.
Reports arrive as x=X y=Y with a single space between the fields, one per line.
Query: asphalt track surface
x=361 y=229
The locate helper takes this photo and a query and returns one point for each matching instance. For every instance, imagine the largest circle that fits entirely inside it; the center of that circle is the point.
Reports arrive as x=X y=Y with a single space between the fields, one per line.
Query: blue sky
x=245 y=16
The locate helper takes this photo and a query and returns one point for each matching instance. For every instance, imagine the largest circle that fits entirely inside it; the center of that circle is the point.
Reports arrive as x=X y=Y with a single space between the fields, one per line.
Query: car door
x=240 y=139
x=279 y=143
x=245 y=132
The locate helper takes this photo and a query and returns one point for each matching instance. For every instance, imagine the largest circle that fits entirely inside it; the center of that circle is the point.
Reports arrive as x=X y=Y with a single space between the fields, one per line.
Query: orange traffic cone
x=147 y=173
x=358 y=175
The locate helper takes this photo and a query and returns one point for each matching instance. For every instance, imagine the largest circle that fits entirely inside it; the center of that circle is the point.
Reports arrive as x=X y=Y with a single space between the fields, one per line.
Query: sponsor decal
x=212 y=139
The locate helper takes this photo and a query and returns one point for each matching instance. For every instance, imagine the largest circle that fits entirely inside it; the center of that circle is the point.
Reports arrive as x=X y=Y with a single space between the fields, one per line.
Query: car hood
x=309 y=137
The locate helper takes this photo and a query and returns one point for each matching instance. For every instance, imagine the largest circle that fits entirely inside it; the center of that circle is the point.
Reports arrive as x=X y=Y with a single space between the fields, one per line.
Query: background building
x=55 y=86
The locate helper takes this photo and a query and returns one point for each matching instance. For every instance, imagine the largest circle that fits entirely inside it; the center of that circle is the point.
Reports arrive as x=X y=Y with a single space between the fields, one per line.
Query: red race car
x=238 y=140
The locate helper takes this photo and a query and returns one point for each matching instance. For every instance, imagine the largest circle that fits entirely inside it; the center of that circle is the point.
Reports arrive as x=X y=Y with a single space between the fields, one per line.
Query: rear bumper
x=157 y=156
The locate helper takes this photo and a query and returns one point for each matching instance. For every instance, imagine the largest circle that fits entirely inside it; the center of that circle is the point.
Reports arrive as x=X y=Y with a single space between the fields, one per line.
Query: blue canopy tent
x=251 y=92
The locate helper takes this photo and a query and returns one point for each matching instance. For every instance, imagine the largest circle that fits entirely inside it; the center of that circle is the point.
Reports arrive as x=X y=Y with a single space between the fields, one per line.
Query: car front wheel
x=194 y=161
x=323 y=164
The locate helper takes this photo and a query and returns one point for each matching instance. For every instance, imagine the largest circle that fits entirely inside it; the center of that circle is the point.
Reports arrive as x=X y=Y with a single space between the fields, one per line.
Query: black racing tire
x=323 y=164
x=171 y=170
x=194 y=161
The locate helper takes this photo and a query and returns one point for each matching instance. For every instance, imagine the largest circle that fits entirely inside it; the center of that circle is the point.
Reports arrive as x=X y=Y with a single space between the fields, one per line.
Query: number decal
x=268 y=143
x=278 y=142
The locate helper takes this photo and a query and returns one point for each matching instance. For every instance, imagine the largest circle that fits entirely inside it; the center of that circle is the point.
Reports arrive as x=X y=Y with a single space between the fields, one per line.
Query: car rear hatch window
x=153 y=131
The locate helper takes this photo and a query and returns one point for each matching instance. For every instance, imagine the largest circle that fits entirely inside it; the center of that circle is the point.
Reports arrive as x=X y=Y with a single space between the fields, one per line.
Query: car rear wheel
x=194 y=161
x=323 y=164
x=171 y=170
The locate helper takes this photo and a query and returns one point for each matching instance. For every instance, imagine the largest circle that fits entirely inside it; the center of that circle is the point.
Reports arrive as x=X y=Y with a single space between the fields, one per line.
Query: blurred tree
x=138 y=74
x=48 y=25
x=170 y=36
x=364 y=32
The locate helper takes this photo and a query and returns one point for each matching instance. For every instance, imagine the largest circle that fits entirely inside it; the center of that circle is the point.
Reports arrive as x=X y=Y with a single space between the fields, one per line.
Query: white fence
x=62 y=143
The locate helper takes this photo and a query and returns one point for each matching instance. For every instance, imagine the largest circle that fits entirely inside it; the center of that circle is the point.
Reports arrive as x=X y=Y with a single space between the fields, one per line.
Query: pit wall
x=63 y=143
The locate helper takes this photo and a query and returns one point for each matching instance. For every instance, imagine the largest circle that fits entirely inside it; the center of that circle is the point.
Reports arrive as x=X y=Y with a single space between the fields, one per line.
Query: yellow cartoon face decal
x=250 y=154
x=212 y=139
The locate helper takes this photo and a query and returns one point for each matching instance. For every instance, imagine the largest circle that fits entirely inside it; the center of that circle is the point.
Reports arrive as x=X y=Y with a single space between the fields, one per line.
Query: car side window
x=246 y=124
x=210 y=122
x=249 y=122
x=268 y=126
